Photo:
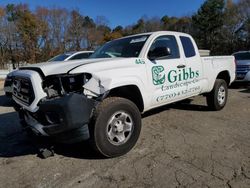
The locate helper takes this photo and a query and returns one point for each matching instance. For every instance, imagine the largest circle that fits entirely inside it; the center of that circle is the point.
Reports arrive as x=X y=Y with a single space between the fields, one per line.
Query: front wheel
x=116 y=126
x=217 y=98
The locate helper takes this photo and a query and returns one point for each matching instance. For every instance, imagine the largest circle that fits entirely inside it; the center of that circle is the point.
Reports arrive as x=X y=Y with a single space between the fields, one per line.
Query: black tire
x=100 y=128
x=214 y=100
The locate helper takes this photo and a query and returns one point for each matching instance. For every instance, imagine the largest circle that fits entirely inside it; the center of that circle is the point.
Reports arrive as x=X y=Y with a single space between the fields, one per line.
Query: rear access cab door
x=194 y=67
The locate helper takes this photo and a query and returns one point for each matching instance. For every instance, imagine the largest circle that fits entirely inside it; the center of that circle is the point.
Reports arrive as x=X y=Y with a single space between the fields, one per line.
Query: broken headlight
x=58 y=85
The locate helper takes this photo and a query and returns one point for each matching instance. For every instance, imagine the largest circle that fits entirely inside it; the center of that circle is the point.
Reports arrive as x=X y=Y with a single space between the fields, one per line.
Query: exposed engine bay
x=59 y=85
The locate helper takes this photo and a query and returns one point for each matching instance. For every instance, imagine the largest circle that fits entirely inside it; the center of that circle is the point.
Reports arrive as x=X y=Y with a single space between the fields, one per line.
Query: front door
x=166 y=69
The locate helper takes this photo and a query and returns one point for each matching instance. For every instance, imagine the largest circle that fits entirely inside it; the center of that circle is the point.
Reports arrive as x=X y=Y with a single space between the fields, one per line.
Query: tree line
x=222 y=26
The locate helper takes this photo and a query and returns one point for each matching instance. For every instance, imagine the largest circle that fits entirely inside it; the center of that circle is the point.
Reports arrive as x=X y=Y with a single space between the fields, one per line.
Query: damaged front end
x=86 y=84
x=67 y=109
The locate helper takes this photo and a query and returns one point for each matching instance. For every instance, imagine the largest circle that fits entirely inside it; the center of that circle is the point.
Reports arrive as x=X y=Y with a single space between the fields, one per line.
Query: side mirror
x=159 y=52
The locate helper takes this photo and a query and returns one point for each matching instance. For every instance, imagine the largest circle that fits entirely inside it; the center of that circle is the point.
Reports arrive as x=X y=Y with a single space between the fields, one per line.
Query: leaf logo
x=158 y=75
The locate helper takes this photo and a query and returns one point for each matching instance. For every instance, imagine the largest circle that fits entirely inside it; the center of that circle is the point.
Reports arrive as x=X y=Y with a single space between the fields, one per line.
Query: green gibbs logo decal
x=175 y=83
x=182 y=75
x=173 y=76
x=158 y=75
x=139 y=61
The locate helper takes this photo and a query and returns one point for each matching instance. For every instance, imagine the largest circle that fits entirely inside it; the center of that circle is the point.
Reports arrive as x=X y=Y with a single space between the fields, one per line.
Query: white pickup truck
x=102 y=98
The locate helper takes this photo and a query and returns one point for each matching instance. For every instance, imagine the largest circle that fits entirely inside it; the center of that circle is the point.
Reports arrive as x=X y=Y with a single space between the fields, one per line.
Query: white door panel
x=166 y=74
x=167 y=81
x=193 y=67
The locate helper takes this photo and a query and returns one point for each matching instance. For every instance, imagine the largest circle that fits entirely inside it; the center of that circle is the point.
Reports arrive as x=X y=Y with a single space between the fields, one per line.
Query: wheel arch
x=224 y=75
x=130 y=92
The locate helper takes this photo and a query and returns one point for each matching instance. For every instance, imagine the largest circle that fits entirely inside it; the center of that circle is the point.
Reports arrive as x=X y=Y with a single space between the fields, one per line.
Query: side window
x=188 y=46
x=167 y=43
x=80 y=56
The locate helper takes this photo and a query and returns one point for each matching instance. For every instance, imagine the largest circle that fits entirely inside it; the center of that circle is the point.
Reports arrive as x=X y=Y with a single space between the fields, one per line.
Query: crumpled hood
x=61 y=67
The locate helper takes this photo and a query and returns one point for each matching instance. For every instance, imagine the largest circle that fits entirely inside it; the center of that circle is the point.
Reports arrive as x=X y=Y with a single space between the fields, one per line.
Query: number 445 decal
x=139 y=61
x=158 y=75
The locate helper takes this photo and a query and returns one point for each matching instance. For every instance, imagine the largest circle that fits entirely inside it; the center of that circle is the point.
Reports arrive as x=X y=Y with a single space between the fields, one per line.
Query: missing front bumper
x=64 y=118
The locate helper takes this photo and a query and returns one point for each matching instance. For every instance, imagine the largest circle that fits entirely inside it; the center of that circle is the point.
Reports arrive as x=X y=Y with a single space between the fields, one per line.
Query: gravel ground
x=182 y=145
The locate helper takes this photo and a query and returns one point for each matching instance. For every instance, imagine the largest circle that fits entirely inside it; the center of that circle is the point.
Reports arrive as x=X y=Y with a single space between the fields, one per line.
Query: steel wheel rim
x=119 y=128
x=221 y=95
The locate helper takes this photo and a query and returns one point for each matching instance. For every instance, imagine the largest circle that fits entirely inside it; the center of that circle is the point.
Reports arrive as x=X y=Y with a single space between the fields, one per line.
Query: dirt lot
x=182 y=145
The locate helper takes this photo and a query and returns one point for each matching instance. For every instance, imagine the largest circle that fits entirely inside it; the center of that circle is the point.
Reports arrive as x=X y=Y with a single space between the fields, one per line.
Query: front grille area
x=23 y=91
x=243 y=68
x=241 y=71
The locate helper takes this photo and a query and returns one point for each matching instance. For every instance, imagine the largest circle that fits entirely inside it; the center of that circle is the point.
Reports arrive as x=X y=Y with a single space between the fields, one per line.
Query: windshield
x=126 y=47
x=242 y=56
x=61 y=57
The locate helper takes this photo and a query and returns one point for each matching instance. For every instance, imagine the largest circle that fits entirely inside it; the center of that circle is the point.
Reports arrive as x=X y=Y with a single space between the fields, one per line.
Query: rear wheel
x=217 y=98
x=116 y=127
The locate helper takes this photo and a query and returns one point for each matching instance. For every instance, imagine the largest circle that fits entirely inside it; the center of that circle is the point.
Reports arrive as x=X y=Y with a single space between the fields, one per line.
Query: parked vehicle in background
x=8 y=84
x=242 y=66
x=62 y=57
x=72 y=56
x=102 y=98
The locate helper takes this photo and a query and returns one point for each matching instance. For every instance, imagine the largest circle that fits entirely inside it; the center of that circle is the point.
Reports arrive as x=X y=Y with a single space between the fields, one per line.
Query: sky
x=117 y=12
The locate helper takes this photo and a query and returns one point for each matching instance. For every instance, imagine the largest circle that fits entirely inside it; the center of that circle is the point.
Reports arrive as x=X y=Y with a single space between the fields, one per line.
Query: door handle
x=181 y=66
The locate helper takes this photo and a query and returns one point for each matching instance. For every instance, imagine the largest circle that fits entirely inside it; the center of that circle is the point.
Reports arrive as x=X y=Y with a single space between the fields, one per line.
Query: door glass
x=164 y=47
x=188 y=46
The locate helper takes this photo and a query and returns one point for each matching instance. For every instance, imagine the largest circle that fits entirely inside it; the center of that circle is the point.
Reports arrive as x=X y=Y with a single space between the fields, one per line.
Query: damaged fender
x=96 y=87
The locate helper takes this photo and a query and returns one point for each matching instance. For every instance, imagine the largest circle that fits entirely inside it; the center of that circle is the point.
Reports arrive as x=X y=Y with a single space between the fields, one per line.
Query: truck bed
x=214 y=64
